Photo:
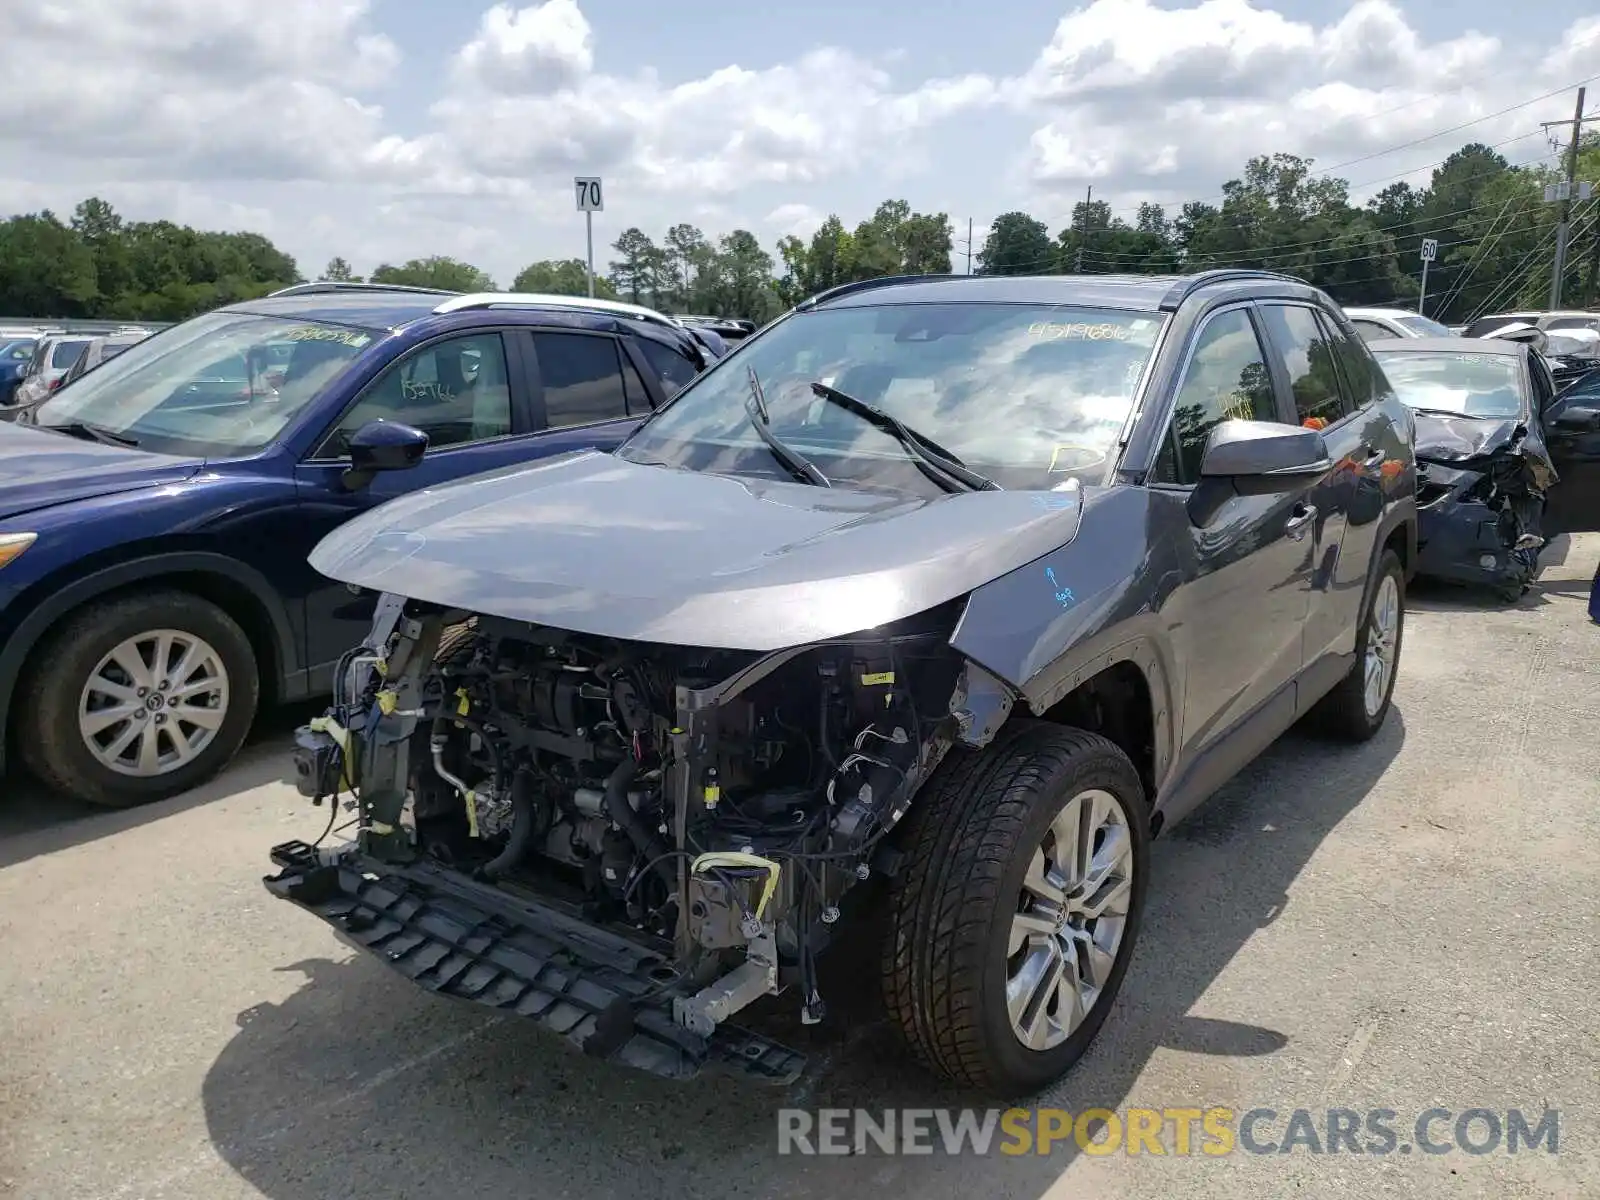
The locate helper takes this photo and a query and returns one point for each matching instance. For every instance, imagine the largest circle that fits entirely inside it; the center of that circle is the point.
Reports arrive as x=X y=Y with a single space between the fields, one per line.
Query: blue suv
x=156 y=514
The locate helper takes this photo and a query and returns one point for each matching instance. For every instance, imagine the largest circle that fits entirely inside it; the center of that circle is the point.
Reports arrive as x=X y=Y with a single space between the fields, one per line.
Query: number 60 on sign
x=589 y=195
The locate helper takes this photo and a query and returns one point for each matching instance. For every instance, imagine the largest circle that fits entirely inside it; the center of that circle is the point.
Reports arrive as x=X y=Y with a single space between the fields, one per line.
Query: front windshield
x=16 y=350
x=1473 y=385
x=1029 y=395
x=221 y=384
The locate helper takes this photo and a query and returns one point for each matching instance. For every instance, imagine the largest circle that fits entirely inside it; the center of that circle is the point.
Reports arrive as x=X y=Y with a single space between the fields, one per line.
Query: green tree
x=436 y=271
x=339 y=271
x=561 y=277
x=1017 y=245
x=46 y=270
x=636 y=271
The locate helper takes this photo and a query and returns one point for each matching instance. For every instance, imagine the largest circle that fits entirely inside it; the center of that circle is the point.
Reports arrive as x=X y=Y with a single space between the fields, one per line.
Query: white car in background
x=1377 y=324
x=52 y=359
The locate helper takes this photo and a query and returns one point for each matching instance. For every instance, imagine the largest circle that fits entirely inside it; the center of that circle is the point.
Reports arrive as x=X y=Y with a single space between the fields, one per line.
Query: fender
x=1047 y=627
x=19 y=645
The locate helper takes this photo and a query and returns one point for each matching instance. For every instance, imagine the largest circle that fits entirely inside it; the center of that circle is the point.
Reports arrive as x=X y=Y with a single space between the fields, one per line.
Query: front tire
x=1013 y=921
x=139 y=698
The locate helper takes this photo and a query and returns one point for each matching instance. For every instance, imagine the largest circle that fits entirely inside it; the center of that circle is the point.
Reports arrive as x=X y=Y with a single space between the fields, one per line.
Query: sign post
x=1430 y=251
x=590 y=201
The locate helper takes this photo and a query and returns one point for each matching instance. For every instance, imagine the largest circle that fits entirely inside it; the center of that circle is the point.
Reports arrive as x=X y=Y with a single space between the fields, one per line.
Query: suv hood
x=39 y=469
x=596 y=544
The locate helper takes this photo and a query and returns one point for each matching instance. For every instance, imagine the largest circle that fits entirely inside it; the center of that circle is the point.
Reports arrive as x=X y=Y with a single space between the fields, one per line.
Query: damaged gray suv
x=933 y=604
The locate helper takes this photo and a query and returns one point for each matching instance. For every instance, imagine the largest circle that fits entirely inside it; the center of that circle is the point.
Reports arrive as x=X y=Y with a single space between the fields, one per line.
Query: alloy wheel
x=154 y=703
x=1070 y=919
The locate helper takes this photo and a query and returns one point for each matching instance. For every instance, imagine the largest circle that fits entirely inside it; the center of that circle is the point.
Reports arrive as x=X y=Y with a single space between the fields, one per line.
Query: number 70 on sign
x=590 y=198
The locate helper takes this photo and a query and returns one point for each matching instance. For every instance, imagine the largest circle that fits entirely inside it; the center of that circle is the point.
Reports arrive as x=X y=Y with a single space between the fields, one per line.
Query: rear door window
x=582 y=378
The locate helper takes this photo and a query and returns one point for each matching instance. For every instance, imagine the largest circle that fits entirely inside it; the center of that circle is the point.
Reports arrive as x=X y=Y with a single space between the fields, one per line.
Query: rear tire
x=1347 y=712
x=79 y=703
x=978 y=841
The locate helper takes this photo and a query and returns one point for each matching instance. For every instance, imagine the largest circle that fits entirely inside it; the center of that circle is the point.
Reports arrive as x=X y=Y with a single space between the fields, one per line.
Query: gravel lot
x=1409 y=925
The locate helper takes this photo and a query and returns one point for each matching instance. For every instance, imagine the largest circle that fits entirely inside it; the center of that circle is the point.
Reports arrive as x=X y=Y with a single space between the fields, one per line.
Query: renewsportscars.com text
x=1203 y=1132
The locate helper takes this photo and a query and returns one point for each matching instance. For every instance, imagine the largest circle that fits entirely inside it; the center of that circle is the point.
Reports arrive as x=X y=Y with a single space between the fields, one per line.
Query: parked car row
x=35 y=362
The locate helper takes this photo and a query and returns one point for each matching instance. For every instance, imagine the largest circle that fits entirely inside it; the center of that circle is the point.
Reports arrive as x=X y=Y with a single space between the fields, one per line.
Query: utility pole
x=969 y=245
x=1563 y=193
x=1083 y=234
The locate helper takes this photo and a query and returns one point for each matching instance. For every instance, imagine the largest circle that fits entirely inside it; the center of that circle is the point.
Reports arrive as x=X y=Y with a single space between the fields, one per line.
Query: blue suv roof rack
x=1189 y=284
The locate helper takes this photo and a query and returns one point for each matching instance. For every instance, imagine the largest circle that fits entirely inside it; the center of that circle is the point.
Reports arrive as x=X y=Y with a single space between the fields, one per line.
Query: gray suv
x=924 y=612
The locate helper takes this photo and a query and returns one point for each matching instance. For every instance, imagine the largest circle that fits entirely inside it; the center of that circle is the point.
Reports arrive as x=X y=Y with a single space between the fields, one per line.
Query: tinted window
x=1027 y=394
x=1371 y=331
x=1307 y=359
x=455 y=391
x=672 y=368
x=1226 y=380
x=582 y=377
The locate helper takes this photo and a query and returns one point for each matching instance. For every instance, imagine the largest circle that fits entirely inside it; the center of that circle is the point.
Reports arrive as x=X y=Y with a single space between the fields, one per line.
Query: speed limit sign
x=1430 y=249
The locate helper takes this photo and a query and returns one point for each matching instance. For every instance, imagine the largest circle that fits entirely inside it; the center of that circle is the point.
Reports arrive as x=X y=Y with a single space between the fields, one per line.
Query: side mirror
x=1577 y=419
x=383 y=446
x=1262 y=450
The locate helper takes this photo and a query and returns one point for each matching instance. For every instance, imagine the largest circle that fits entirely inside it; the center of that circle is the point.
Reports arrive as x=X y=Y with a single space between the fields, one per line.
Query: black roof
x=1151 y=293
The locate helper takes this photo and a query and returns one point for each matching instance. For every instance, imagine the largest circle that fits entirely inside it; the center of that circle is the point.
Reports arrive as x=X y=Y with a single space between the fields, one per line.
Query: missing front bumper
x=606 y=995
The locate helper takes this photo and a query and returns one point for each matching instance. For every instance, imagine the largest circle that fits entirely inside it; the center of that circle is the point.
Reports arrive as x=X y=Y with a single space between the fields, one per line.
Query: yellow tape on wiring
x=341 y=738
x=732 y=858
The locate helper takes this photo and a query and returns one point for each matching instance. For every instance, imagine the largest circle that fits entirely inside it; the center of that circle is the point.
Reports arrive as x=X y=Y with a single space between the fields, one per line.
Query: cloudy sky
x=388 y=129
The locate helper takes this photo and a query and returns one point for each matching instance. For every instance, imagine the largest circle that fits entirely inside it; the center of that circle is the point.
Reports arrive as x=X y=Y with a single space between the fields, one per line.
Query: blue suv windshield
x=223 y=384
x=1028 y=395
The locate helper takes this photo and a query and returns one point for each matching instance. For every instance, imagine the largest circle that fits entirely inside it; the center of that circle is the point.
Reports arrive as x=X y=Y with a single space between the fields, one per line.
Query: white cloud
x=538 y=49
x=1148 y=102
x=242 y=114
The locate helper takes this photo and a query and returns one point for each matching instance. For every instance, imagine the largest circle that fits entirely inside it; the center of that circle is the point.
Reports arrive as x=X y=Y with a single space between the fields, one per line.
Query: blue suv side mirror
x=383 y=446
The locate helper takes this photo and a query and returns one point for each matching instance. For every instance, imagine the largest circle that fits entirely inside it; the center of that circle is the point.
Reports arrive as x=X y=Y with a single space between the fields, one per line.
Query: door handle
x=1297 y=524
x=1374 y=458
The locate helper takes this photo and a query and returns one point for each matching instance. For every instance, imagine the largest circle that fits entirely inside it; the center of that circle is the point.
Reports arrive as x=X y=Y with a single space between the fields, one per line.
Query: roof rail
x=1187 y=286
x=614 y=308
x=862 y=285
x=329 y=285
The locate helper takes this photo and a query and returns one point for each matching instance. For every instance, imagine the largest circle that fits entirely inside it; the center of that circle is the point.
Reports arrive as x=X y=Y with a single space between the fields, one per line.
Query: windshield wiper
x=796 y=463
x=934 y=461
x=92 y=433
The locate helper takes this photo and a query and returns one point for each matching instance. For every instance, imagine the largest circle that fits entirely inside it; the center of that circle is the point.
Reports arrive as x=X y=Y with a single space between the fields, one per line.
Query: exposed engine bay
x=711 y=809
x=1481 y=486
